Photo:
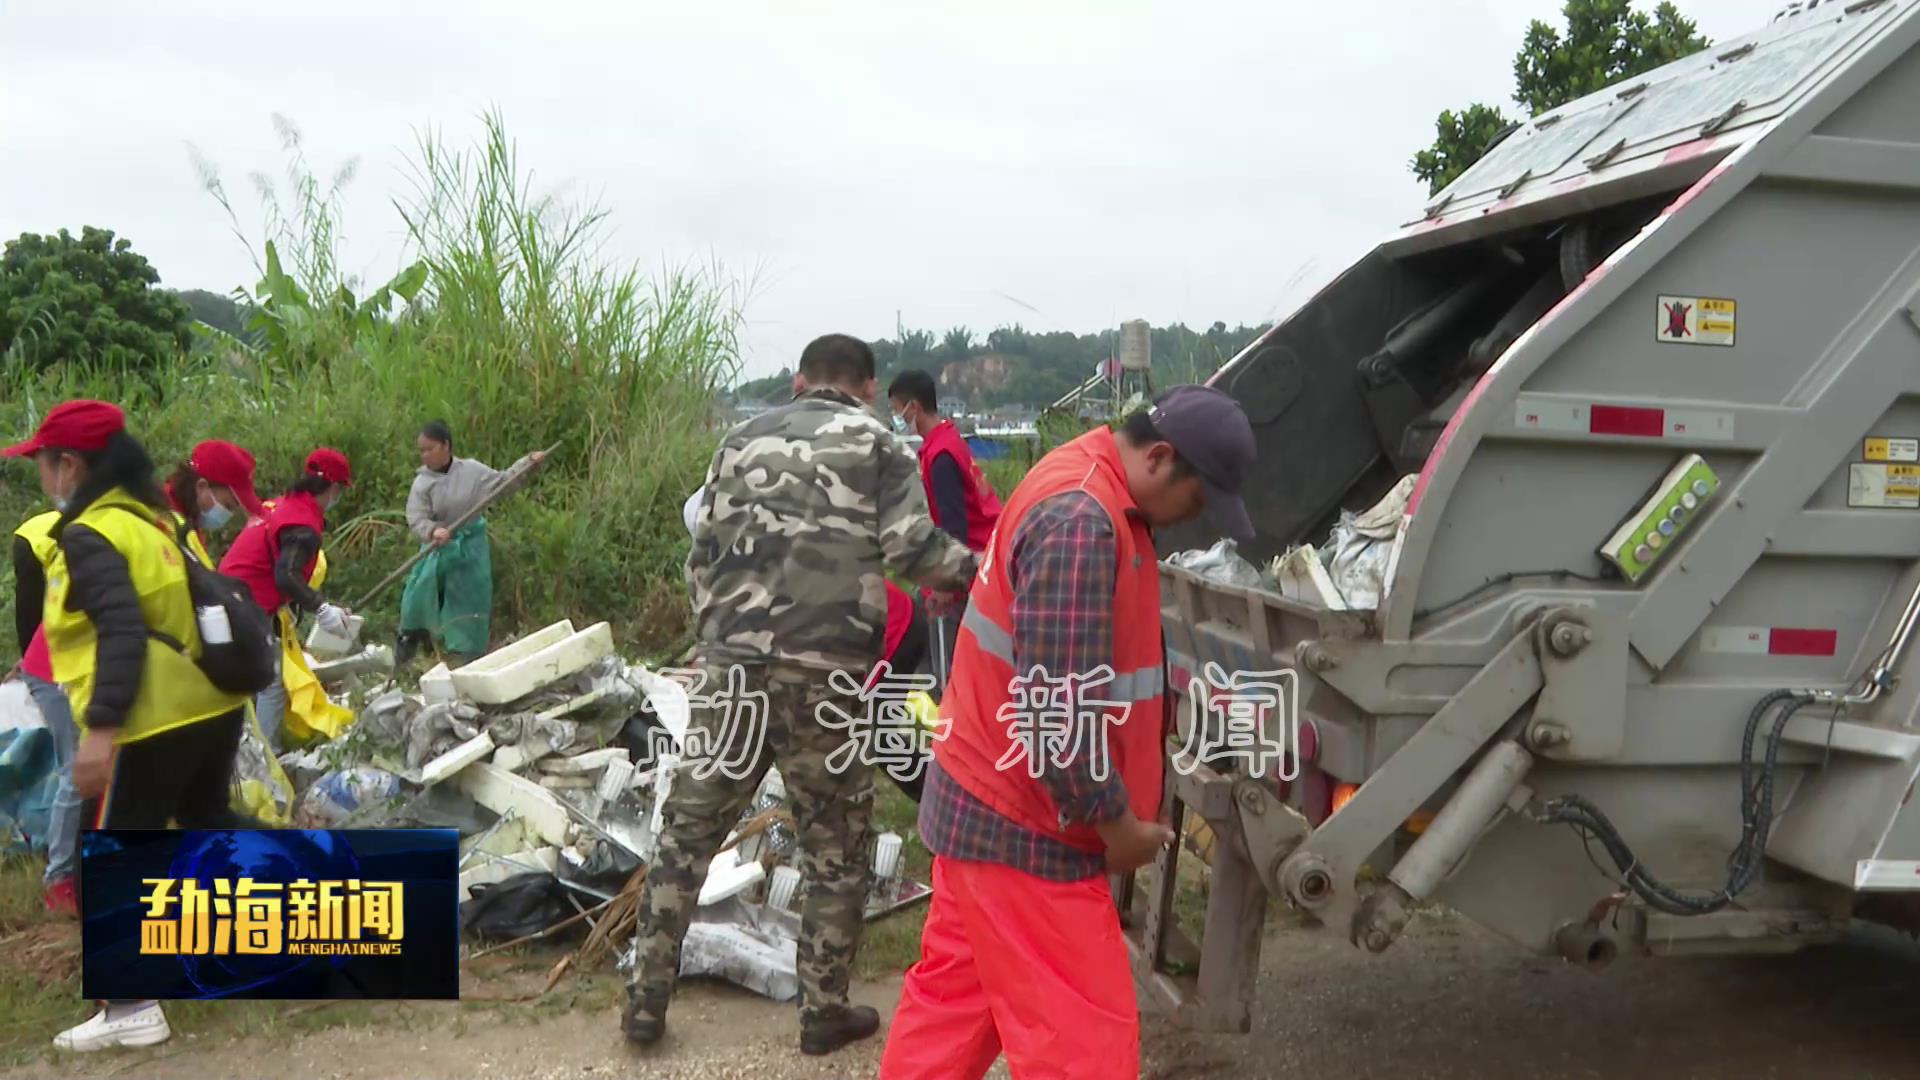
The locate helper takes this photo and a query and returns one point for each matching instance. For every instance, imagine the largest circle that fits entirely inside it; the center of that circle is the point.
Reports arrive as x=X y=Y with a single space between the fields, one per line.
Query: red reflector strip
x=1783 y=641
x=1769 y=640
x=1622 y=420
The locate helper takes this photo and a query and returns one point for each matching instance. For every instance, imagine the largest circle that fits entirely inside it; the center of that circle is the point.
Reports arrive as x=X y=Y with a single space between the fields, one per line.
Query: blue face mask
x=215 y=517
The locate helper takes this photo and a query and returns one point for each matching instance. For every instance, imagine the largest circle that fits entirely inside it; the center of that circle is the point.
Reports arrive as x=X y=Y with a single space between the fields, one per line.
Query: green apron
x=449 y=594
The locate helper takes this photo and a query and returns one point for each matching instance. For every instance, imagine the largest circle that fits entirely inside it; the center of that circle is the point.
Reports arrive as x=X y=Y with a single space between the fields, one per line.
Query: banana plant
x=284 y=319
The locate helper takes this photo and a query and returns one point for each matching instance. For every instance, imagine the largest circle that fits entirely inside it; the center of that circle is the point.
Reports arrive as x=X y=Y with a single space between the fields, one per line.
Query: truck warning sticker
x=1695 y=320
x=1880 y=448
x=1883 y=486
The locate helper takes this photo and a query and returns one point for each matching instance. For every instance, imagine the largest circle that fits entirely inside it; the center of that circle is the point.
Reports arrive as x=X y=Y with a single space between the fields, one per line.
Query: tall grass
x=524 y=336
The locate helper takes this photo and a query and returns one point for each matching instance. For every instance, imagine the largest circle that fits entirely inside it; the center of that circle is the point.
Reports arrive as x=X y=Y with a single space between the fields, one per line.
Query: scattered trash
x=1222 y=563
x=328 y=646
x=1300 y=575
x=744 y=946
x=17 y=709
x=348 y=798
x=538 y=660
x=516 y=907
x=1361 y=545
x=27 y=781
x=554 y=759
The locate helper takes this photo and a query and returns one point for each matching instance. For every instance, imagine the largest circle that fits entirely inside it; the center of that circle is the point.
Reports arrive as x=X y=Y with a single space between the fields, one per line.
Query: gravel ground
x=1449 y=1000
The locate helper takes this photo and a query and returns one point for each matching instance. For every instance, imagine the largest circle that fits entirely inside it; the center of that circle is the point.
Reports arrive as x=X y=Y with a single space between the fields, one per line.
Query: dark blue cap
x=1213 y=435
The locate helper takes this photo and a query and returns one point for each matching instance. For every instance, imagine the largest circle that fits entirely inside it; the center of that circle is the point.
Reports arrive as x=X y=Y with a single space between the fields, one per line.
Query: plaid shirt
x=1064 y=558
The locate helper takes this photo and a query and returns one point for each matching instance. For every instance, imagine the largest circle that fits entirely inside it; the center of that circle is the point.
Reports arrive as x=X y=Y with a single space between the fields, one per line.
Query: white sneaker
x=144 y=1027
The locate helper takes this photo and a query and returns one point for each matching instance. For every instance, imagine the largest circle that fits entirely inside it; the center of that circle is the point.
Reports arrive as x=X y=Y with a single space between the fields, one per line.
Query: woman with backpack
x=122 y=632
x=275 y=558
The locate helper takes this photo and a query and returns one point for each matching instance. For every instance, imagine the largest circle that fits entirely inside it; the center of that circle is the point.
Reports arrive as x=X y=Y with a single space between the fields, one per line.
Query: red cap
x=230 y=466
x=330 y=465
x=82 y=426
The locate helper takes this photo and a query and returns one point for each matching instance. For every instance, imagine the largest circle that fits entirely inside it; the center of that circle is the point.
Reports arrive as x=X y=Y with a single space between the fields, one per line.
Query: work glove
x=333 y=619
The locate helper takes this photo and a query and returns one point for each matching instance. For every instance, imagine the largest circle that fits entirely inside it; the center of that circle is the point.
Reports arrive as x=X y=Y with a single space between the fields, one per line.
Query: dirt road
x=1448 y=1001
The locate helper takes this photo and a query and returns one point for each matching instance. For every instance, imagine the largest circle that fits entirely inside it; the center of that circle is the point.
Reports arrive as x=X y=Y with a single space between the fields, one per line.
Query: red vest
x=977 y=735
x=983 y=506
x=257 y=548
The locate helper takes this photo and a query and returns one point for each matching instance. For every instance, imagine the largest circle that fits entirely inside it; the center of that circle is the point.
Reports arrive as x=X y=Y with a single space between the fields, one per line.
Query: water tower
x=1134 y=370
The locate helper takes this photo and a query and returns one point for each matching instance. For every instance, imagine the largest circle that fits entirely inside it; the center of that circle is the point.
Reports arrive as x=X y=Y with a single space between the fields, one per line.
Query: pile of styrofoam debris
x=555 y=758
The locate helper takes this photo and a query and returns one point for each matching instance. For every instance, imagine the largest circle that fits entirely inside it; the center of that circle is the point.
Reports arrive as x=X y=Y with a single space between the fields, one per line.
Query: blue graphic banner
x=270 y=913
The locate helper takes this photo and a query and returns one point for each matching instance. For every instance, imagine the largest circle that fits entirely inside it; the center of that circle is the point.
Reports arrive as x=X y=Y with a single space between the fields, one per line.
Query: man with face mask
x=1022 y=952
x=275 y=557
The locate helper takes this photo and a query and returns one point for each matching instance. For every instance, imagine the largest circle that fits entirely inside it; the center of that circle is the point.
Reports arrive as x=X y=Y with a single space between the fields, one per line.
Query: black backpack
x=247 y=662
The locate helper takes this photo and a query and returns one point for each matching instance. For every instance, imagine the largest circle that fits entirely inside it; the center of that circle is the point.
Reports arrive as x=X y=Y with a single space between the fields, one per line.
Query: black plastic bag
x=518 y=907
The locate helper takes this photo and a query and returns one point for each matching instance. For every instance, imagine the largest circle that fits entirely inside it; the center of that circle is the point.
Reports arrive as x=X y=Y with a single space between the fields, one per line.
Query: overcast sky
x=1064 y=166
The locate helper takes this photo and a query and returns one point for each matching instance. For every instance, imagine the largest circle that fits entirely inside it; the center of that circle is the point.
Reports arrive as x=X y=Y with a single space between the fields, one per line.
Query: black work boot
x=847 y=1024
x=407 y=646
x=644 y=1019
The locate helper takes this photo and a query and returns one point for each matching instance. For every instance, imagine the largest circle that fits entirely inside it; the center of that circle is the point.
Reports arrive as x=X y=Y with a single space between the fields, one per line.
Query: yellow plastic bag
x=261 y=789
x=310 y=714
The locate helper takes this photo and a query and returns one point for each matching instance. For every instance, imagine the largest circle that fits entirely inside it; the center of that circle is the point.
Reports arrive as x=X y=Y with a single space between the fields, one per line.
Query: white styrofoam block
x=514 y=651
x=726 y=876
x=516 y=757
x=17 y=708
x=504 y=793
x=488 y=870
x=436 y=686
x=572 y=705
x=327 y=646
x=456 y=759
x=588 y=762
x=493 y=681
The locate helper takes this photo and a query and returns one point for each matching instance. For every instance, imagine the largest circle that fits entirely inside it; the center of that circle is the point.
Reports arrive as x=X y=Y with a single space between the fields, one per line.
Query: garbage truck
x=1638 y=398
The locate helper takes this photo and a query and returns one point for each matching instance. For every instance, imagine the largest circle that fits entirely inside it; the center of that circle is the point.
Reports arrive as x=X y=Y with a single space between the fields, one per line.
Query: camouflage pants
x=833 y=815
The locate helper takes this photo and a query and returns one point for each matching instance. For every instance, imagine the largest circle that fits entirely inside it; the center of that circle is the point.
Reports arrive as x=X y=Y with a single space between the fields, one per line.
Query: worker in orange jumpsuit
x=1022 y=952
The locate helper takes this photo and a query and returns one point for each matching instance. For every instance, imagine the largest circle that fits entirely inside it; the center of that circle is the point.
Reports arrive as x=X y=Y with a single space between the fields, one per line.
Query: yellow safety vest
x=173 y=691
x=37 y=531
x=193 y=541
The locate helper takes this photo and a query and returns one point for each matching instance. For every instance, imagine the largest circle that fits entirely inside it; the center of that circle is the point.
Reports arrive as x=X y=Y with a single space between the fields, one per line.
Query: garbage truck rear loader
x=1647 y=378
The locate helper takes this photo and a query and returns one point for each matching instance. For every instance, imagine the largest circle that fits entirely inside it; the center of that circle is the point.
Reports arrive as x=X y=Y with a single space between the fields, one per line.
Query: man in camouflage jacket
x=806 y=505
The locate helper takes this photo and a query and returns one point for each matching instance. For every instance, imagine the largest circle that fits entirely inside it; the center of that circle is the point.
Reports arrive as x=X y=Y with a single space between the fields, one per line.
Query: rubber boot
x=848 y=1024
x=644 y=1019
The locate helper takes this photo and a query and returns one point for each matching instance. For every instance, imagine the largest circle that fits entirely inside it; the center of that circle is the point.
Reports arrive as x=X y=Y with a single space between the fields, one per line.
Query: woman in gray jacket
x=449 y=594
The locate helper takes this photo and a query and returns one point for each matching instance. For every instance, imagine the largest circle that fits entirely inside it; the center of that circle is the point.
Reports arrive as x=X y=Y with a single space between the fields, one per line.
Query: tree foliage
x=1604 y=42
x=90 y=298
x=1024 y=367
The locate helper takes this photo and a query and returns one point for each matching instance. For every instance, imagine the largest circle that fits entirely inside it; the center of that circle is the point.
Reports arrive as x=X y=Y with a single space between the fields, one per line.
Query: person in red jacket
x=1022 y=951
x=958 y=494
x=275 y=556
x=211 y=486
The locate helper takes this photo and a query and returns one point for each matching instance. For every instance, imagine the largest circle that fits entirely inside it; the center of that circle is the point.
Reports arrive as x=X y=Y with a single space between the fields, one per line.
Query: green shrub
x=520 y=339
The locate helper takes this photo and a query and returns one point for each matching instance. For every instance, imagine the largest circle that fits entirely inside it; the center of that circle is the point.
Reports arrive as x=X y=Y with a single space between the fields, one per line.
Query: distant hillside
x=223 y=313
x=1015 y=366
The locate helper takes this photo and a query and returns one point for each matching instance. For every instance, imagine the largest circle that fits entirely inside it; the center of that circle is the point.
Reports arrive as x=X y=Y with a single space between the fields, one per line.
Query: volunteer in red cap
x=158 y=738
x=1022 y=952
x=209 y=488
x=275 y=556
